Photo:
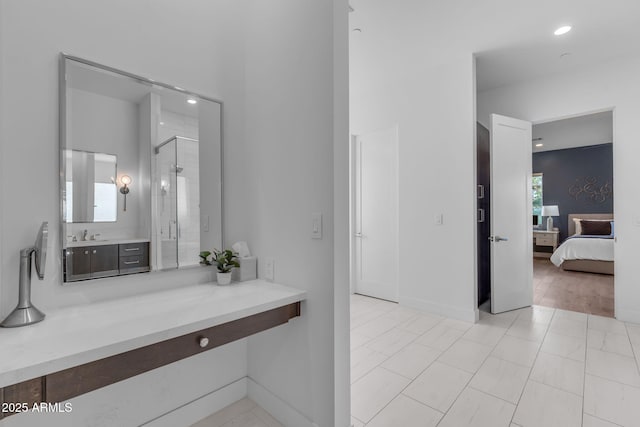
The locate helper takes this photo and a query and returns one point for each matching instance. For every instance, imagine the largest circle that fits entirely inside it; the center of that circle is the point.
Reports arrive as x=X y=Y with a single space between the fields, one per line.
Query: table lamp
x=550 y=211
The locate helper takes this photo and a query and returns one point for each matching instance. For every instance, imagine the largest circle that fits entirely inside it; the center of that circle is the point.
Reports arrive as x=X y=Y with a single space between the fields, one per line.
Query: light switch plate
x=269 y=269
x=316 y=225
x=438 y=218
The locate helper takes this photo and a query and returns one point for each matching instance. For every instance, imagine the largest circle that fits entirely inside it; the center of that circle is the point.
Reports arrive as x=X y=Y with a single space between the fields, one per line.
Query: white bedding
x=583 y=248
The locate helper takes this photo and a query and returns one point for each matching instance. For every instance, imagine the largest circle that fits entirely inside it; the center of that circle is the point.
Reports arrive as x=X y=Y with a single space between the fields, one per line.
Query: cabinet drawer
x=130 y=249
x=544 y=241
x=134 y=264
x=66 y=384
x=14 y=397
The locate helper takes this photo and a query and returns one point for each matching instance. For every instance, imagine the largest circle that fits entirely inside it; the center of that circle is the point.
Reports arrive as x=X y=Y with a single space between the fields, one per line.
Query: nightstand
x=545 y=238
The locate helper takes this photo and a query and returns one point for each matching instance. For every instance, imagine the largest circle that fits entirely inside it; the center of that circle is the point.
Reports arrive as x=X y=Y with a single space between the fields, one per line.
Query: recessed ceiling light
x=539 y=144
x=562 y=30
x=192 y=101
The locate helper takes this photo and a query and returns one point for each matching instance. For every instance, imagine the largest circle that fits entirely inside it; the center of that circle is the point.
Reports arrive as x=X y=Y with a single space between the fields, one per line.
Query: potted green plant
x=224 y=260
x=204 y=257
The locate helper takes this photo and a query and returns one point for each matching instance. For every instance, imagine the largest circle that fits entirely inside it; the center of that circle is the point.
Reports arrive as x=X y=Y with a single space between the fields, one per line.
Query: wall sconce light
x=125 y=180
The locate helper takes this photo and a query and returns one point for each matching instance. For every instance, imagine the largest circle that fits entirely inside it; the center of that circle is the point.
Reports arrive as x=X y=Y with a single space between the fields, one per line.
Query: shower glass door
x=167 y=209
x=178 y=203
x=188 y=201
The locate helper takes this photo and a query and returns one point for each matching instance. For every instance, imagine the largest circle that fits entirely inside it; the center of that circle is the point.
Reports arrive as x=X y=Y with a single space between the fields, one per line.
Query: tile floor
x=537 y=366
x=243 y=413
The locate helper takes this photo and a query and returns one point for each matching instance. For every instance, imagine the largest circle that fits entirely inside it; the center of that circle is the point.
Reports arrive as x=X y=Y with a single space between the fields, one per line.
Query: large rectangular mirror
x=141 y=207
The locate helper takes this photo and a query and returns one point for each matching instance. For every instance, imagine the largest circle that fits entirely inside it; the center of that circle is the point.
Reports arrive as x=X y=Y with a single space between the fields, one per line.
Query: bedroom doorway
x=573 y=178
x=571 y=183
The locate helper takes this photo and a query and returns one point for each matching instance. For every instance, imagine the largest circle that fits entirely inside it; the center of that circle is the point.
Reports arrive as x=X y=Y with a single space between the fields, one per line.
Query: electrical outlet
x=439 y=219
x=269 y=269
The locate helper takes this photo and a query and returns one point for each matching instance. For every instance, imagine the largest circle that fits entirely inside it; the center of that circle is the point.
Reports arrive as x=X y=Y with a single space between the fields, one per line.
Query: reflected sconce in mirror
x=125 y=180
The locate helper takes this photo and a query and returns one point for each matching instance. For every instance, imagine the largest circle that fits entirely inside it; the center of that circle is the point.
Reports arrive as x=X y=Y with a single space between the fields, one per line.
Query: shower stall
x=177 y=189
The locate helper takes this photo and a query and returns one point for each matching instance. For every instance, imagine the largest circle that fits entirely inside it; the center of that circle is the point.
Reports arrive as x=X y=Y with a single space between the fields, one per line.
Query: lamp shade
x=551 y=210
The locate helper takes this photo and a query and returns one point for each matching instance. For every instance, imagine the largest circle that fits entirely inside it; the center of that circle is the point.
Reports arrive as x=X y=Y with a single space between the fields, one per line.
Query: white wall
x=129 y=36
x=3 y=183
x=288 y=158
x=273 y=66
x=92 y=129
x=433 y=106
x=605 y=86
x=113 y=33
x=341 y=266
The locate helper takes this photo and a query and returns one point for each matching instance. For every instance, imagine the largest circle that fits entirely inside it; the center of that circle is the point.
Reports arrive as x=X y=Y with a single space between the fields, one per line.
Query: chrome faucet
x=84 y=235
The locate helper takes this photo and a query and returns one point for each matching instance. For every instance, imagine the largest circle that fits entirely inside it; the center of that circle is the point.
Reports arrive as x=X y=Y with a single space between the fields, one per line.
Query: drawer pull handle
x=204 y=341
x=131 y=262
x=131 y=249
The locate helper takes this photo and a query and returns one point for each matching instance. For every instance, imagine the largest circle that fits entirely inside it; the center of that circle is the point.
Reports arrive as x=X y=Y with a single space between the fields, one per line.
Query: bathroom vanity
x=94 y=259
x=81 y=349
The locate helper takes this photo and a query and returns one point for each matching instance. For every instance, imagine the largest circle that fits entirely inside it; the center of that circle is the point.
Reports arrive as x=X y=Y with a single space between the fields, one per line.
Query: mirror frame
x=62 y=138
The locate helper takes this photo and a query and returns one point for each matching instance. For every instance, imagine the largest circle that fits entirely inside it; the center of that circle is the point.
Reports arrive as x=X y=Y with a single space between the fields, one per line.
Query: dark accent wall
x=566 y=172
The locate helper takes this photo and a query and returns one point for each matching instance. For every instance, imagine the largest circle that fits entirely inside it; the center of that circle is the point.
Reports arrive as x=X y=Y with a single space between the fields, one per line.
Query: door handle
x=480 y=215
x=480 y=191
x=359 y=235
x=495 y=239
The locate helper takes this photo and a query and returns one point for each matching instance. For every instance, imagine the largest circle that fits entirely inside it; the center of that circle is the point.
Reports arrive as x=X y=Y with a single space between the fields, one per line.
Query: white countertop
x=77 y=335
x=102 y=242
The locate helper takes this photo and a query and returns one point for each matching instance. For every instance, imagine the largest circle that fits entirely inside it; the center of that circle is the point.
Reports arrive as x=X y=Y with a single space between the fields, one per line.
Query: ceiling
x=513 y=39
x=91 y=79
x=591 y=129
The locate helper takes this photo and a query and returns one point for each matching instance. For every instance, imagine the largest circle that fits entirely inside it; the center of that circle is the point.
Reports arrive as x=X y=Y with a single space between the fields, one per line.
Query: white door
x=376 y=214
x=511 y=210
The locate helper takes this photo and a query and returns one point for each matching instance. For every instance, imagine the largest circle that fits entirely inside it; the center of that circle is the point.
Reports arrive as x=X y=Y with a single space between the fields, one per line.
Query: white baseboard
x=202 y=407
x=470 y=315
x=278 y=408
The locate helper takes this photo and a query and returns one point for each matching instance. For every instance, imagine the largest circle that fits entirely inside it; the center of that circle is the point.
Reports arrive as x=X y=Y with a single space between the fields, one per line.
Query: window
x=536 y=184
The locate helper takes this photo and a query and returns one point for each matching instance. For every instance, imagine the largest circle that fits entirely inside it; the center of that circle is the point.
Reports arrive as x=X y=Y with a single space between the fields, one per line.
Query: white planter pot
x=223 y=278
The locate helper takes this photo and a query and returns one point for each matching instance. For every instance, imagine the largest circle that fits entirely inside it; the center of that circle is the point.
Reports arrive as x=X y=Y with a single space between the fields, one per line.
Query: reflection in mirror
x=90 y=187
x=167 y=141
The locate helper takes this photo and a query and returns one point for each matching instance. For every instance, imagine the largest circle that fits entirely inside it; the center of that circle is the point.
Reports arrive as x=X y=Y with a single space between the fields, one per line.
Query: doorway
x=571 y=186
x=573 y=163
x=374 y=194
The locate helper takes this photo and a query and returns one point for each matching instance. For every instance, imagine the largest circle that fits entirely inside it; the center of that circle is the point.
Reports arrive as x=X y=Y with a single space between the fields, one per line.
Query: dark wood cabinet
x=104 y=261
x=92 y=262
x=77 y=265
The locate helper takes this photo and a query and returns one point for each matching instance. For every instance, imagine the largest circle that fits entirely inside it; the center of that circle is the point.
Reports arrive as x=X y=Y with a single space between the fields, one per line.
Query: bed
x=591 y=254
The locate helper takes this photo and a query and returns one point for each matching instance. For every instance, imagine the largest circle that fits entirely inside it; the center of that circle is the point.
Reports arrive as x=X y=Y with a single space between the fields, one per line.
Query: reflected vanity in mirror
x=140 y=173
